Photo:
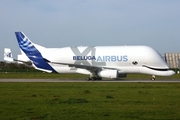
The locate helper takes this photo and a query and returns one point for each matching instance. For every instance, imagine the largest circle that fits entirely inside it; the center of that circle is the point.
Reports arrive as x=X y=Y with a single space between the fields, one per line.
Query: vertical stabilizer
x=33 y=52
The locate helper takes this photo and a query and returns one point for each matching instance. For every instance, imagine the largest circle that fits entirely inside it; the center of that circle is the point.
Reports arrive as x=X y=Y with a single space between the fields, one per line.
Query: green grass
x=89 y=101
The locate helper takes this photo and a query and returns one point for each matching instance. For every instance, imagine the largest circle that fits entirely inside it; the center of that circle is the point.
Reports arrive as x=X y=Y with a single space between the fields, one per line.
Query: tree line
x=15 y=67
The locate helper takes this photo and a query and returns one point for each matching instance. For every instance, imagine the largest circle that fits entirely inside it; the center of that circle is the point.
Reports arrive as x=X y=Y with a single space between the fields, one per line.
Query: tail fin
x=33 y=52
x=8 y=55
x=25 y=44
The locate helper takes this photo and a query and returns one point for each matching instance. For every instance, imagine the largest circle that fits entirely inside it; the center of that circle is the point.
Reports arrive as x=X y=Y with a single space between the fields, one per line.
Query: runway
x=75 y=80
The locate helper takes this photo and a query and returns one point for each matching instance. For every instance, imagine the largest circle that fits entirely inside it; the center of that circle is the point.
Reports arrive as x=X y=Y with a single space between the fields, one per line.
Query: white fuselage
x=125 y=59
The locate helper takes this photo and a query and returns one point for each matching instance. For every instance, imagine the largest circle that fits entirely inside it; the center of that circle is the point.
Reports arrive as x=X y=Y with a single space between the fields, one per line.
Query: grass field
x=89 y=101
x=80 y=101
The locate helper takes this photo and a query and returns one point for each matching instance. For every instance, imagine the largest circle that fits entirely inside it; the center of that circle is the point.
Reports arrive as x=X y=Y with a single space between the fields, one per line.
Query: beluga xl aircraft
x=96 y=61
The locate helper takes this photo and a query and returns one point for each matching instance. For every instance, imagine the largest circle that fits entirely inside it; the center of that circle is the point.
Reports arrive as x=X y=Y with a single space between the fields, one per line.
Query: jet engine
x=108 y=74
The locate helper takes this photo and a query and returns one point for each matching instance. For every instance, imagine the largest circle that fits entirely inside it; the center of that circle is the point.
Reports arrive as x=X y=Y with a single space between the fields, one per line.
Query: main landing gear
x=94 y=78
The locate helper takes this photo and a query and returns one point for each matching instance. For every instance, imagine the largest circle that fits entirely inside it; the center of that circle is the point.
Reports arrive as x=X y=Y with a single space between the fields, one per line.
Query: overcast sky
x=60 y=23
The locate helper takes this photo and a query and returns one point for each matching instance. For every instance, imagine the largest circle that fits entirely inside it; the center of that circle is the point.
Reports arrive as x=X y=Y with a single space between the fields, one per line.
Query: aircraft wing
x=87 y=67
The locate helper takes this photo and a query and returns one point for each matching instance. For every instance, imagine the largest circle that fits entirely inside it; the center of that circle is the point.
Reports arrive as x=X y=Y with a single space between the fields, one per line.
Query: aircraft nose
x=170 y=72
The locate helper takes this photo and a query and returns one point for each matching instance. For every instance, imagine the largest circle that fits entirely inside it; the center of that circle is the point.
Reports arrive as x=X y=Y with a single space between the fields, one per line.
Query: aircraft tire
x=88 y=79
x=99 y=78
x=94 y=78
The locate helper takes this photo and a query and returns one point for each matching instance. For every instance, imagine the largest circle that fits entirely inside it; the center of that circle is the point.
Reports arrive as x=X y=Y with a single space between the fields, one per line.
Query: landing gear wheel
x=94 y=78
x=99 y=78
x=88 y=79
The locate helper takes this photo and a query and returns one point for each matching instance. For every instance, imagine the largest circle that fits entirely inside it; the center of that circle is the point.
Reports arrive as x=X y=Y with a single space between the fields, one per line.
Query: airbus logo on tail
x=8 y=55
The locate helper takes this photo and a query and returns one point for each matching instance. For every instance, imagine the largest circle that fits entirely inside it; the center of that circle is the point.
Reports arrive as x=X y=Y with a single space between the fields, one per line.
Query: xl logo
x=89 y=49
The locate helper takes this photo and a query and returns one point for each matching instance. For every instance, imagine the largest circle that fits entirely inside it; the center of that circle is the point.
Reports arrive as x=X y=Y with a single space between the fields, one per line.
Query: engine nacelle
x=108 y=74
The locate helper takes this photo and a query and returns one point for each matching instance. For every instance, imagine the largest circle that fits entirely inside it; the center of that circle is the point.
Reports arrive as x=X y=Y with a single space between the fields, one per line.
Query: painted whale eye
x=134 y=62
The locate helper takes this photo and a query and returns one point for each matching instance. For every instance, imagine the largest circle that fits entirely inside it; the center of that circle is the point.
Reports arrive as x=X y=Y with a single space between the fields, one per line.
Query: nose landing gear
x=153 y=77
